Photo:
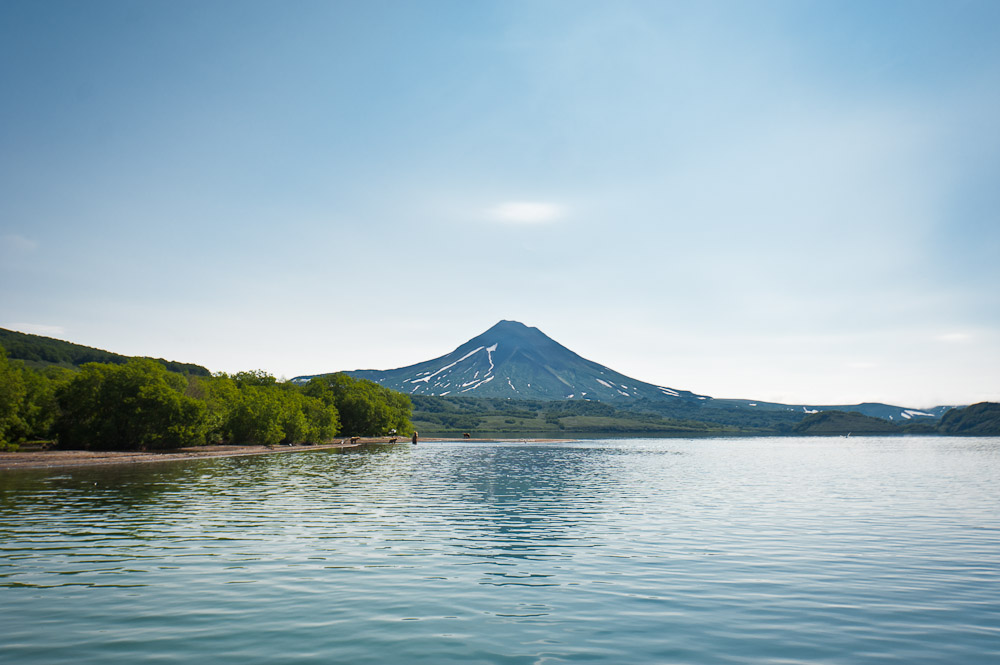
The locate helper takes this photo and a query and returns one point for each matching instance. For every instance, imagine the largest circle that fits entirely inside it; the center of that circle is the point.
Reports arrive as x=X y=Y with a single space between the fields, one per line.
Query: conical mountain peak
x=512 y=332
x=512 y=329
x=515 y=361
x=504 y=324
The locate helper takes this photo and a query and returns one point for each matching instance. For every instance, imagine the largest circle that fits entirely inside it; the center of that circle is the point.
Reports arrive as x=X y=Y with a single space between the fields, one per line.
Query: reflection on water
x=645 y=551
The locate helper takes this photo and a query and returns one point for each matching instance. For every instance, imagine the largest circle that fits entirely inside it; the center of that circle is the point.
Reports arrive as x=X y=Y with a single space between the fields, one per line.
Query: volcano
x=515 y=361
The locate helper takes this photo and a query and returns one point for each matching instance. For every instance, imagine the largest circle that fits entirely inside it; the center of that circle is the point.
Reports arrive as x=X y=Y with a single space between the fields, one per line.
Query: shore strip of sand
x=43 y=459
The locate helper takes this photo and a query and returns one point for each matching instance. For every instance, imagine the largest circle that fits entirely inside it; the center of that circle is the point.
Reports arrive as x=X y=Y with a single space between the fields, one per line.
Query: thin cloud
x=955 y=337
x=526 y=212
x=17 y=243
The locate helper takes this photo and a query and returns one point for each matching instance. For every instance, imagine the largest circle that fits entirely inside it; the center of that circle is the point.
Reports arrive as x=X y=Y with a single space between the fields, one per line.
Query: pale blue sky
x=794 y=201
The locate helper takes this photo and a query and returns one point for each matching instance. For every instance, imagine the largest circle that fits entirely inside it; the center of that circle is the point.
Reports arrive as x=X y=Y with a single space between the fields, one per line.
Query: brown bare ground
x=40 y=459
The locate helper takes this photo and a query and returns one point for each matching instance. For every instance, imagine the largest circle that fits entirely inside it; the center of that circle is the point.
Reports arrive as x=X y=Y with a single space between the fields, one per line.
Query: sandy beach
x=37 y=459
x=42 y=459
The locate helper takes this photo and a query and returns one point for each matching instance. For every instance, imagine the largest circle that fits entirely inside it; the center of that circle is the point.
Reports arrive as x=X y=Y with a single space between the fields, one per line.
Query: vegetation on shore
x=828 y=423
x=142 y=405
x=550 y=418
x=451 y=415
x=981 y=419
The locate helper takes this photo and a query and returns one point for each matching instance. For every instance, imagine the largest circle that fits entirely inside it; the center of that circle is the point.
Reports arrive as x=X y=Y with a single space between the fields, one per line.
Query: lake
x=771 y=550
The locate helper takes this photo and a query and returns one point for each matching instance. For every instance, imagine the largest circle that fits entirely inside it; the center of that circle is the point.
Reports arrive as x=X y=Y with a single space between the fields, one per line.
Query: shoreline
x=51 y=459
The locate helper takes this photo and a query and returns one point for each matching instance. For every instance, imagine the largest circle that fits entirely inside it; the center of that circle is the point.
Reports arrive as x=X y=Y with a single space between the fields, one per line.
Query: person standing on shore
x=414 y=437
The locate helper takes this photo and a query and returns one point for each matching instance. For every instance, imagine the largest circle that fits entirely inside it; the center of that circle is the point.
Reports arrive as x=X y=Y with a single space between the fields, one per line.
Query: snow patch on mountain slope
x=431 y=376
x=489 y=356
x=479 y=383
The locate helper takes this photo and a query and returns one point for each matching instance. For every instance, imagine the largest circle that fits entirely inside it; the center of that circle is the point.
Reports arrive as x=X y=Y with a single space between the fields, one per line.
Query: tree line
x=142 y=405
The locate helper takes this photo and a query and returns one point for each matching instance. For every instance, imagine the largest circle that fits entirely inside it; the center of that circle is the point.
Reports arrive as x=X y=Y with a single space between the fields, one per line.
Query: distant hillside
x=897 y=414
x=981 y=419
x=839 y=422
x=38 y=351
x=452 y=416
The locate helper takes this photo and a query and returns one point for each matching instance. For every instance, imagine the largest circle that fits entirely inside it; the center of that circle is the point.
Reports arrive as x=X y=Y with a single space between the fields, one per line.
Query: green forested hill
x=840 y=422
x=452 y=415
x=38 y=351
x=981 y=419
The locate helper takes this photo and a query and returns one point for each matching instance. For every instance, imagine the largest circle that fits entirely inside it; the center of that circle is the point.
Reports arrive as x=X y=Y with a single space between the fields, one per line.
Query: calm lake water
x=860 y=550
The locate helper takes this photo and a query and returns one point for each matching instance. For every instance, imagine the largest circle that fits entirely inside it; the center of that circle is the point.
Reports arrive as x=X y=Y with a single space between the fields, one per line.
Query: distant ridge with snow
x=514 y=361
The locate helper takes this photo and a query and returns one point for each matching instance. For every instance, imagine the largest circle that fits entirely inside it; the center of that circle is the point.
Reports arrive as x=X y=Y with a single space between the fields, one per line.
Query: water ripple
x=637 y=551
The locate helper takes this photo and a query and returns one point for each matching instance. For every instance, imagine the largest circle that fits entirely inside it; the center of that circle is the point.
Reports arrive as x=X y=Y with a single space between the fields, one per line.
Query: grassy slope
x=838 y=422
x=455 y=415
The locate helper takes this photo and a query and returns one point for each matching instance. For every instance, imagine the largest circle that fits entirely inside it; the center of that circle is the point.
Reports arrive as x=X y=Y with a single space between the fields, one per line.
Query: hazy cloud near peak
x=526 y=212
x=37 y=328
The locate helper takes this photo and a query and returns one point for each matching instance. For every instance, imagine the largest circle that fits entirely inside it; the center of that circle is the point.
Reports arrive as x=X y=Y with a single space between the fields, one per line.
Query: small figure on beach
x=467 y=435
x=414 y=437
